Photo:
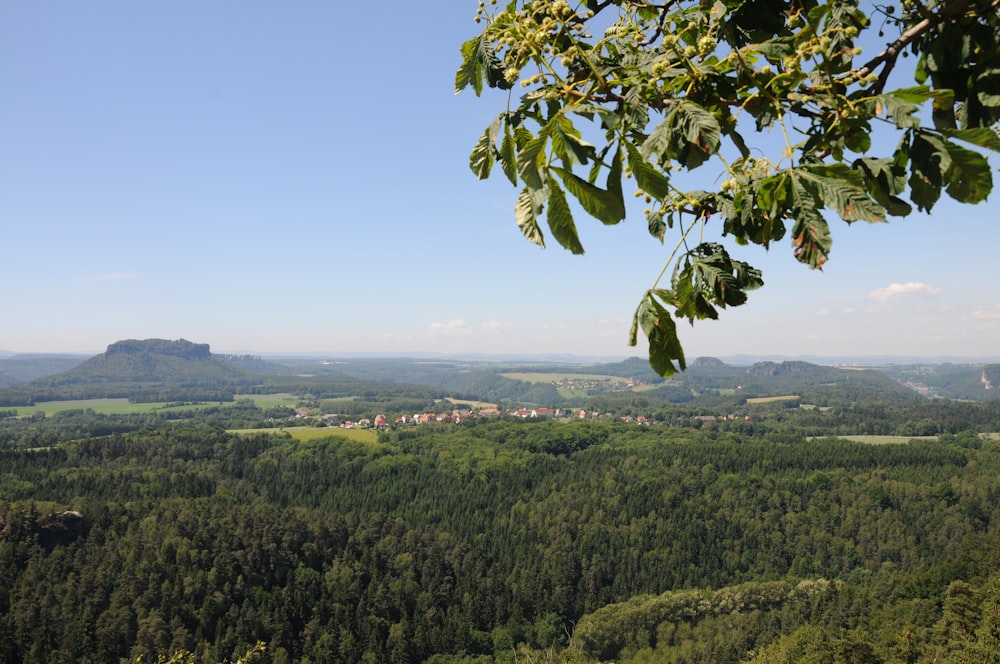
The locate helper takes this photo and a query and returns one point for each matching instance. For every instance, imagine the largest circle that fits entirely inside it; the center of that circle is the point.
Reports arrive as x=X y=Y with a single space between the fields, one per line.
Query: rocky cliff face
x=784 y=368
x=180 y=348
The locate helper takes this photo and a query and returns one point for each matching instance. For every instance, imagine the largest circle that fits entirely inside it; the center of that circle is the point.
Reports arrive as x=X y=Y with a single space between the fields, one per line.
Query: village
x=458 y=415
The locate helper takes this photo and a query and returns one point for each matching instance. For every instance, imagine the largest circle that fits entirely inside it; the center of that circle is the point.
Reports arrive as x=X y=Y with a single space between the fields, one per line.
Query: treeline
x=39 y=431
x=466 y=543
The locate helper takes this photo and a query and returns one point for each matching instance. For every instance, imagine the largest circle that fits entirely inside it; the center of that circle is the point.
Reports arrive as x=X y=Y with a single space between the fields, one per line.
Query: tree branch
x=887 y=58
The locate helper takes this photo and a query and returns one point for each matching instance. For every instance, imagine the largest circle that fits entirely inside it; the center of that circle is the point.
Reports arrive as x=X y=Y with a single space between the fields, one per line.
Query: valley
x=779 y=511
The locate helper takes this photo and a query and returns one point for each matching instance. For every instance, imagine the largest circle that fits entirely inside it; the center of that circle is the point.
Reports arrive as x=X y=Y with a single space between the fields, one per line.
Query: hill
x=146 y=370
x=19 y=369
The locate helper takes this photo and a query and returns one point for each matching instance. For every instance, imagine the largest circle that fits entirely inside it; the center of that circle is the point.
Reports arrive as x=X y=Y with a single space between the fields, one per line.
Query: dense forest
x=149 y=535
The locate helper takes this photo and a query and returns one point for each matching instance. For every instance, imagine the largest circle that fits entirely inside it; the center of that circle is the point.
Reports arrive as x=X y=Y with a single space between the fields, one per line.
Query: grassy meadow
x=306 y=434
x=104 y=406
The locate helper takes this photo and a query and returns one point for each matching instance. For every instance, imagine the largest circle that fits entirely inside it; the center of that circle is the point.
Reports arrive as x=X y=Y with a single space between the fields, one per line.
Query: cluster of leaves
x=651 y=89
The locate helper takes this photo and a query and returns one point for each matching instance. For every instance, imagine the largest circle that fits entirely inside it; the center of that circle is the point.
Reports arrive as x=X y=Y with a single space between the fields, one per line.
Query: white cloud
x=900 y=291
x=986 y=313
x=453 y=328
x=494 y=326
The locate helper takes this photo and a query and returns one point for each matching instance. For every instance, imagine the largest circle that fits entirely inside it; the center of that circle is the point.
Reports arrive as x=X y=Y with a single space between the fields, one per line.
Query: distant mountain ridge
x=23 y=368
x=181 y=370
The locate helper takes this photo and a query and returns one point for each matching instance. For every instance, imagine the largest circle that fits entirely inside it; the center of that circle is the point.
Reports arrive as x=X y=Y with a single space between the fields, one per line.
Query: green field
x=271 y=400
x=317 y=433
x=886 y=440
x=470 y=403
x=788 y=397
x=103 y=406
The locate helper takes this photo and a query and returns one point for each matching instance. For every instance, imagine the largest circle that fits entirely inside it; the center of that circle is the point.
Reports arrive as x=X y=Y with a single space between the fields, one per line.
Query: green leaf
x=470 y=72
x=481 y=159
x=689 y=134
x=614 y=180
x=775 y=50
x=969 y=178
x=526 y=212
x=901 y=111
x=981 y=136
x=479 y=61
x=650 y=180
x=811 y=238
x=657 y=227
x=859 y=140
x=566 y=142
x=561 y=219
x=603 y=205
x=840 y=188
x=917 y=94
x=709 y=277
x=988 y=88
x=661 y=332
x=929 y=161
x=636 y=108
x=529 y=160
x=885 y=179
x=508 y=156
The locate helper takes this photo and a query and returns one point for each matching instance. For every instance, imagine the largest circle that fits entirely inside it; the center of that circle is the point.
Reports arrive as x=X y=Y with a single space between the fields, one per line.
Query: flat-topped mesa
x=179 y=348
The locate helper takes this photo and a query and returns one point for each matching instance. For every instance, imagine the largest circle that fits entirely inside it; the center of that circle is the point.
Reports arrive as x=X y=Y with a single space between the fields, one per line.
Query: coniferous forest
x=502 y=541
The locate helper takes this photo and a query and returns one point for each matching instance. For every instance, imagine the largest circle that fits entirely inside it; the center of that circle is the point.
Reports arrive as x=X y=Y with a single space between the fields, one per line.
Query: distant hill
x=812 y=383
x=967 y=382
x=146 y=370
x=23 y=368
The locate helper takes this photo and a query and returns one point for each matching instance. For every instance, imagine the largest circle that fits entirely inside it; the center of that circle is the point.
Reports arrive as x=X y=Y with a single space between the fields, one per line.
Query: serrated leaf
x=689 y=134
x=885 y=179
x=650 y=180
x=526 y=213
x=839 y=188
x=969 y=178
x=917 y=94
x=560 y=219
x=988 y=88
x=981 y=136
x=566 y=142
x=929 y=161
x=481 y=159
x=528 y=161
x=614 y=180
x=470 y=72
x=600 y=204
x=657 y=227
x=708 y=278
x=900 y=111
x=661 y=332
x=479 y=61
x=776 y=50
x=858 y=141
x=508 y=155
x=811 y=239
x=636 y=108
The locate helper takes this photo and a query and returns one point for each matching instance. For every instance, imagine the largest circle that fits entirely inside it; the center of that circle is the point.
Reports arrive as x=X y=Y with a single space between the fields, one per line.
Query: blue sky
x=292 y=177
